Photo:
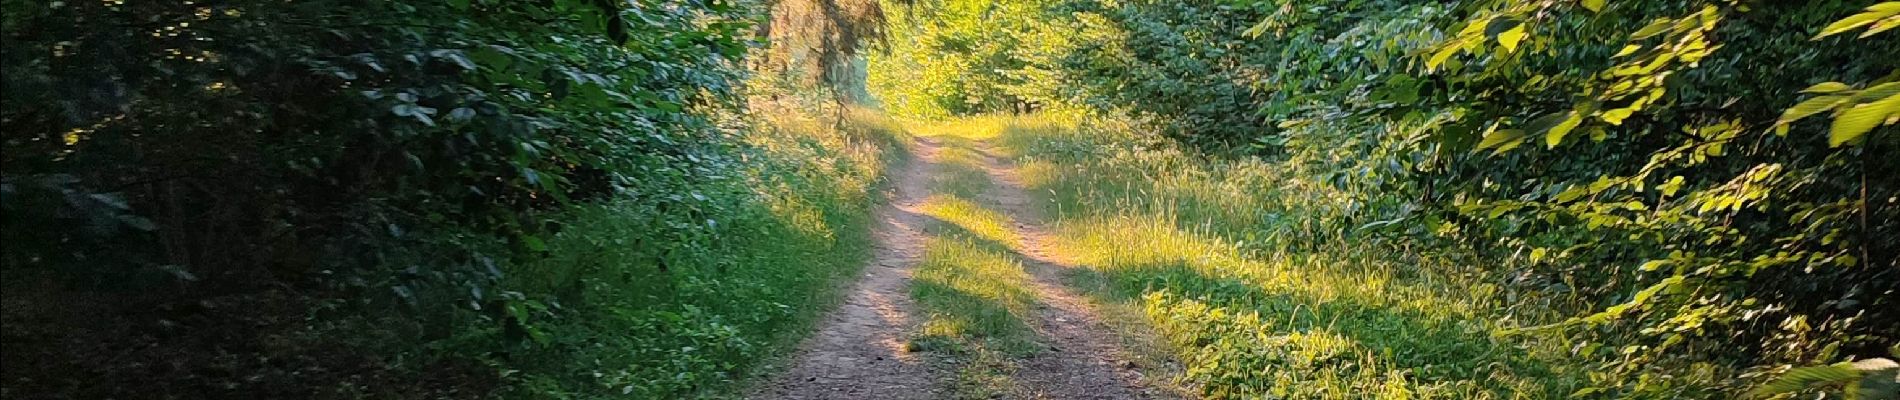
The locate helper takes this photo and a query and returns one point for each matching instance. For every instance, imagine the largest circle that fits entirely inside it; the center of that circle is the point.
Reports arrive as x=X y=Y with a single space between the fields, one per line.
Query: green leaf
x=1652 y=29
x=1826 y=87
x=1572 y=193
x=1877 y=92
x=1873 y=14
x=533 y=243
x=1801 y=378
x=1593 y=5
x=1555 y=135
x=1503 y=140
x=1497 y=25
x=1511 y=37
x=1616 y=311
x=1476 y=27
x=1258 y=29
x=1616 y=117
x=1879 y=380
x=1444 y=53
x=461 y=114
x=1669 y=188
x=1855 y=122
x=1882 y=26
x=1627 y=50
x=1809 y=107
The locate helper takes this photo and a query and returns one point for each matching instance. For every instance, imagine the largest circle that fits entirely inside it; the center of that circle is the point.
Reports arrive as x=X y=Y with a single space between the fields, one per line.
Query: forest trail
x=862 y=349
x=859 y=350
x=1085 y=360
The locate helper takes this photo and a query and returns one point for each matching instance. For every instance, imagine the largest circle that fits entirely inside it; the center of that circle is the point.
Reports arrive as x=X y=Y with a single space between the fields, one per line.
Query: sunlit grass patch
x=1156 y=247
x=848 y=155
x=975 y=296
x=989 y=130
x=971 y=291
x=1242 y=267
x=1243 y=322
x=970 y=128
x=973 y=219
x=966 y=179
x=976 y=302
x=972 y=287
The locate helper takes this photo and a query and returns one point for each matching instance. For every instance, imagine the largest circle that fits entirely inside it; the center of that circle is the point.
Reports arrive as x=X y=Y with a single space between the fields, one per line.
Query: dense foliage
x=346 y=199
x=590 y=198
x=818 y=43
x=1706 y=182
x=949 y=57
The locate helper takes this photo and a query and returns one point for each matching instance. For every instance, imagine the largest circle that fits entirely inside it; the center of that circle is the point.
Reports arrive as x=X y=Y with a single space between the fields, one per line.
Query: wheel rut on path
x=1085 y=360
x=859 y=350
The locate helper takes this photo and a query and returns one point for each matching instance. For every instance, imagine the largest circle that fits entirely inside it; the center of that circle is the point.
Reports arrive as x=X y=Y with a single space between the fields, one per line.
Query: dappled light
x=950 y=199
x=971 y=219
x=1477 y=199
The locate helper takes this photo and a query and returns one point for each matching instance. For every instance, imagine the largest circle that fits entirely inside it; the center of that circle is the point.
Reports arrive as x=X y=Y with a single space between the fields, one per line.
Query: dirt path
x=1085 y=360
x=859 y=349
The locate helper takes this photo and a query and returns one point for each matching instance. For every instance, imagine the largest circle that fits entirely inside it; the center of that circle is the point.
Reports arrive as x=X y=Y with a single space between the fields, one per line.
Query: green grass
x=969 y=284
x=684 y=297
x=974 y=295
x=1237 y=265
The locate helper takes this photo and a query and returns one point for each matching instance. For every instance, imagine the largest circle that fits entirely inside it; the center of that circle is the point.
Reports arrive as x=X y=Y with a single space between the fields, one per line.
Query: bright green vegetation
x=649 y=198
x=1485 y=198
x=1201 y=246
x=975 y=299
x=742 y=290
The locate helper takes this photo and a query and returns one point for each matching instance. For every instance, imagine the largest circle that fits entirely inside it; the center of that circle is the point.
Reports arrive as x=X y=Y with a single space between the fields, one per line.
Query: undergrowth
x=656 y=300
x=1581 y=181
x=1233 y=266
x=688 y=314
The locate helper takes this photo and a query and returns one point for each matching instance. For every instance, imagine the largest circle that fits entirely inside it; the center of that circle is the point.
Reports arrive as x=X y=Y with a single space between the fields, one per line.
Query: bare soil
x=1085 y=360
x=860 y=350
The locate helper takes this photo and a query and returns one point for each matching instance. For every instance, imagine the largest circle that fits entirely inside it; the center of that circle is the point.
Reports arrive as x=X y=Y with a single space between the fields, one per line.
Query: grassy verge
x=974 y=295
x=682 y=295
x=1224 y=260
x=678 y=287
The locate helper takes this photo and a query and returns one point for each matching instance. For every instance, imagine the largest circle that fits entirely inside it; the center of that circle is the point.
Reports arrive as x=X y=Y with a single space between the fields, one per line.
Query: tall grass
x=1243 y=267
x=681 y=296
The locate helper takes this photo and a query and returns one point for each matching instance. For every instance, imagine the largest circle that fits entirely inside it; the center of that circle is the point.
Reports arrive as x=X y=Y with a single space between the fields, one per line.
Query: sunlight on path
x=1085 y=361
x=1026 y=334
x=860 y=349
x=963 y=300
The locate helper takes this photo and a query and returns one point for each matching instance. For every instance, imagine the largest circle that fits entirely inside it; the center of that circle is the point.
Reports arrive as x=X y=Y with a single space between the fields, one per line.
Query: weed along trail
x=860 y=349
x=950 y=199
x=961 y=300
x=1084 y=360
x=993 y=305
